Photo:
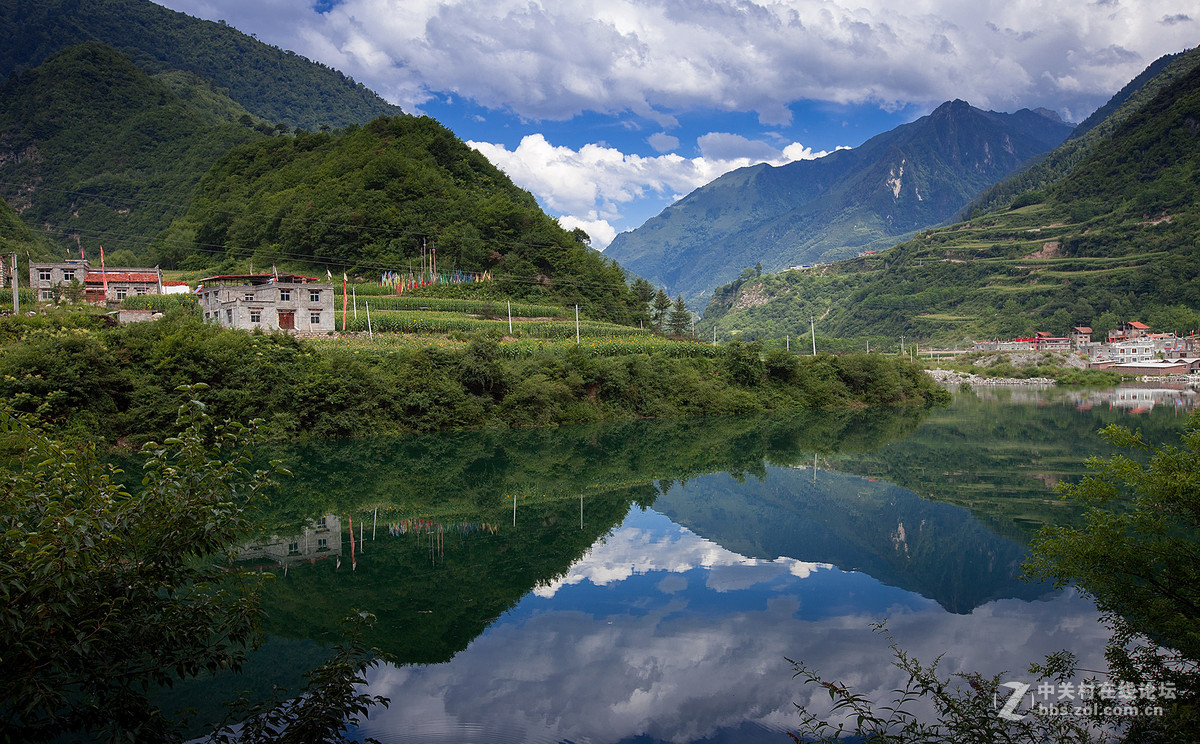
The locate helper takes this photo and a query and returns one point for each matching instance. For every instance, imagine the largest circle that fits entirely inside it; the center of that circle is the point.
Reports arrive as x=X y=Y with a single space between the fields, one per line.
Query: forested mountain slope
x=1114 y=240
x=910 y=178
x=375 y=198
x=276 y=85
x=1099 y=126
x=93 y=151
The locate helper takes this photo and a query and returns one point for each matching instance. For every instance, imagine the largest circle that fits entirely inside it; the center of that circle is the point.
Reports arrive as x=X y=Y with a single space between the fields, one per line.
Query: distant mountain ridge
x=910 y=178
x=1108 y=236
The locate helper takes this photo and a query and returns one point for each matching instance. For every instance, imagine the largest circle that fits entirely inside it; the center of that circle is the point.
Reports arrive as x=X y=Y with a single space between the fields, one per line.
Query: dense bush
x=109 y=383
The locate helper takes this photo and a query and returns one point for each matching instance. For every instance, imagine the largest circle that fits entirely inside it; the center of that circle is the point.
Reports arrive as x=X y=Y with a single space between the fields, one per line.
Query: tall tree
x=662 y=303
x=680 y=320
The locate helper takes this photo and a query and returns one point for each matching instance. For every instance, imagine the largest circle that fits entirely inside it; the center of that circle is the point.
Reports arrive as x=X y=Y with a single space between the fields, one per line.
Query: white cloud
x=663 y=142
x=592 y=186
x=658 y=57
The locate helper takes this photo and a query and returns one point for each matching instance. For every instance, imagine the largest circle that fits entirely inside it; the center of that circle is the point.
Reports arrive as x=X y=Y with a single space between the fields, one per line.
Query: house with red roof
x=99 y=284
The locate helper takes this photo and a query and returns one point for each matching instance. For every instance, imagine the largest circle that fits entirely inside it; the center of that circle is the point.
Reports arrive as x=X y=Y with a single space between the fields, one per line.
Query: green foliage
x=383 y=197
x=965 y=710
x=1138 y=555
x=106 y=592
x=484 y=308
x=111 y=594
x=117 y=383
x=276 y=85
x=161 y=303
x=116 y=150
x=679 y=321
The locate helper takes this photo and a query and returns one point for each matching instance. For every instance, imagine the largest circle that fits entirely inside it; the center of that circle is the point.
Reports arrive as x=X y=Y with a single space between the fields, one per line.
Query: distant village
x=1131 y=349
x=292 y=302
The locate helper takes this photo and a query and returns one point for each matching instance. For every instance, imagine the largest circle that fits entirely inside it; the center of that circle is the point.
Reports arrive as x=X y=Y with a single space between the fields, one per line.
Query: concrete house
x=44 y=278
x=99 y=285
x=286 y=302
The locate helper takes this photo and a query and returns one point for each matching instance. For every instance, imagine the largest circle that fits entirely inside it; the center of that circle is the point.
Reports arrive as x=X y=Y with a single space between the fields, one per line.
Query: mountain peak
x=1051 y=115
x=957 y=106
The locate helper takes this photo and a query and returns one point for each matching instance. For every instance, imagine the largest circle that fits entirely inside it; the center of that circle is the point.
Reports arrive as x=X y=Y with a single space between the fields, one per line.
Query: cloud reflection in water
x=661 y=634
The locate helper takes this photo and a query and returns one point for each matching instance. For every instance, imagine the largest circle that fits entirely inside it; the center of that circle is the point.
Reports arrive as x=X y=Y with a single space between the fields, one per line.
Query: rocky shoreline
x=953 y=377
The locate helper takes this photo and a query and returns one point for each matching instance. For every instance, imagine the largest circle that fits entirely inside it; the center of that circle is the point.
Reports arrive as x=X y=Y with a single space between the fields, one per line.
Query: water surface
x=647 y=581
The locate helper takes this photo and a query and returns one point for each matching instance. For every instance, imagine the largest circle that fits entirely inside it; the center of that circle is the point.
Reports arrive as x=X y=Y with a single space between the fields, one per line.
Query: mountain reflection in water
x=644 y=581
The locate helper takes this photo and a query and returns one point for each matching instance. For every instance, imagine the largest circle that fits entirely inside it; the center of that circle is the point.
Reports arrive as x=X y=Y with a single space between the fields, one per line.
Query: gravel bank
x=952 y=377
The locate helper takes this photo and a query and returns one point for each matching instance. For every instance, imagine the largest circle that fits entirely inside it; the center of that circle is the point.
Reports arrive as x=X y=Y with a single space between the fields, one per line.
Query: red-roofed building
x=118 y=283
x=115 y=284
x=170 y=286
x=1128 y=331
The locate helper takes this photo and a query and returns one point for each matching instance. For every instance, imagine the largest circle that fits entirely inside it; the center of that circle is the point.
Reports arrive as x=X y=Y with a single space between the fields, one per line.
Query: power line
x=344 y=264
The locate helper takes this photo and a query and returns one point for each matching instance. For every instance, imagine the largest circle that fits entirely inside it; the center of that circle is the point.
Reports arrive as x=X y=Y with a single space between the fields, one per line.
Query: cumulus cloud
x=590 y=186
x=657 y=57
x=654 y=60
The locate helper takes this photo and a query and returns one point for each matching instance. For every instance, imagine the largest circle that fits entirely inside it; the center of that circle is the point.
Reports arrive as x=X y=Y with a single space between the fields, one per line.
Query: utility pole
x=813 y=326
x=15 y=287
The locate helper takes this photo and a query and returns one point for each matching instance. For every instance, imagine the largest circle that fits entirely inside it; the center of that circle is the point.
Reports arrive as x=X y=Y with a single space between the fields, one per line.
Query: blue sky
x=609 y=110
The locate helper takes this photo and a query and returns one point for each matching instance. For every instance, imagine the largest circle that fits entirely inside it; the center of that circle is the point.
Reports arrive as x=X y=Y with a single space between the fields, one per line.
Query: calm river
x=644 y=582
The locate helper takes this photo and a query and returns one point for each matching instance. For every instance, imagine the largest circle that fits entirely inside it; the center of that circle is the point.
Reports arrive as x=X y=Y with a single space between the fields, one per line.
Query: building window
x=285 y=295
x=256 y=315
x=68 y=276
x=314 y=317
x=322 y=543
x=229 y=317
x=141 y=290
x=43 y=275
x=47 y=294
x=248 y=297
x=294 y=548
x=314 y=295
x=121 y=292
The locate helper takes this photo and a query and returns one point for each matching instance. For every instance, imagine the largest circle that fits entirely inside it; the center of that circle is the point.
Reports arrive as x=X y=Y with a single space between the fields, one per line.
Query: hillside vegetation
x=276 y=85
x=94 y=151
x=1089 y=134
x=118 y=384
x=1116 y=239
x=377 y=198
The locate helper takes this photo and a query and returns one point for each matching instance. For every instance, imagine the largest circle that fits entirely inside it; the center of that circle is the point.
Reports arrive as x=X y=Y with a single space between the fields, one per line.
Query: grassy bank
x=118 y=384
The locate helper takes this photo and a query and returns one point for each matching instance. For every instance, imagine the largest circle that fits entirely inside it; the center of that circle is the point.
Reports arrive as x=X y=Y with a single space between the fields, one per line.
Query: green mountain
x=373 y=198
x=94 y=149
x=1114 y=239
x=1088 y=135
x=16 y=237
x=915 y=176
x=273 y=84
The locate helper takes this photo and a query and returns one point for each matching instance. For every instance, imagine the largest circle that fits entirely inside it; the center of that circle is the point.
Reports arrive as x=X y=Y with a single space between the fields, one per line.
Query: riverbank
x=122 y=385
x=954 y=377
